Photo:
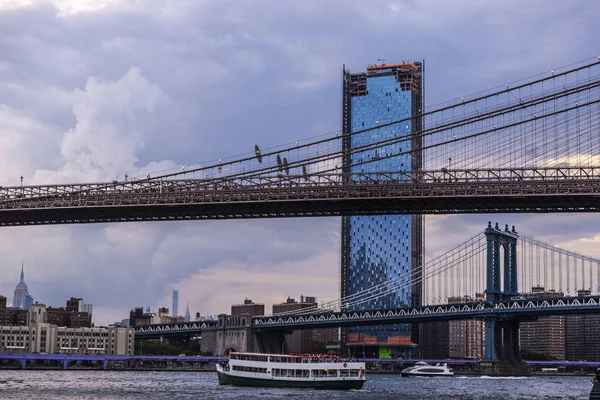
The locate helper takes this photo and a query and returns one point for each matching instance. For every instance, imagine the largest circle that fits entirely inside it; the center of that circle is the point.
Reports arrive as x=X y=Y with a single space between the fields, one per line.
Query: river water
x=143 y=385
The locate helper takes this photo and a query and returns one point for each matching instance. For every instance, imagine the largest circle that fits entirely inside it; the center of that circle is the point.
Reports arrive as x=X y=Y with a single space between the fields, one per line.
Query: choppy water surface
x=79 y=385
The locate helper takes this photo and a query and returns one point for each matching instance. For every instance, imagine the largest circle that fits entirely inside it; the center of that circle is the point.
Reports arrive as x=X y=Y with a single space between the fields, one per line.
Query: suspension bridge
x=487 y=277
x=531 y=146
x=498 y=276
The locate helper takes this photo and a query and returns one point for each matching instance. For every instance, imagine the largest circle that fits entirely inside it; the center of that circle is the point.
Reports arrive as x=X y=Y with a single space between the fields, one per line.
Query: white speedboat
x=302 y=371
x=423 y=369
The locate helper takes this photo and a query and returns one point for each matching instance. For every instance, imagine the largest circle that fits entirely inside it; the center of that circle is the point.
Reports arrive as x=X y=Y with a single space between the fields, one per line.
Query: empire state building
x=21 y=298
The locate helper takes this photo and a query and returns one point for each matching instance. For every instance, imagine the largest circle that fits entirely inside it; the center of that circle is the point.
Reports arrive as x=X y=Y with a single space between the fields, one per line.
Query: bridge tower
x=501 y=336
x=498 y=239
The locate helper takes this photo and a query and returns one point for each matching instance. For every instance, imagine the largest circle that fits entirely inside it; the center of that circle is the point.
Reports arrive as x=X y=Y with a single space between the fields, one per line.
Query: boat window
x=354 y=372
x=319 y=373
x=431 y=370
x=332 y=372
x=249 y=369
x=276 y=372
x=344 y=373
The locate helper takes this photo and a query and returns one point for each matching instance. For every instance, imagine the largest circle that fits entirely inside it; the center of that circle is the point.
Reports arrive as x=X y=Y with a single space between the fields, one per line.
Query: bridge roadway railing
x=446 y=312
x=173 y=328
x=445 y=191
x=392 y=183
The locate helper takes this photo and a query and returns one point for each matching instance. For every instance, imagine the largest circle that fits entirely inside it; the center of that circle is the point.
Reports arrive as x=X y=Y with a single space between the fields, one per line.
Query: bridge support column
x=272 y=342
x=23 y=363
x=511 y=341
x=105 y=364
x=490 y=342
x=65 y=364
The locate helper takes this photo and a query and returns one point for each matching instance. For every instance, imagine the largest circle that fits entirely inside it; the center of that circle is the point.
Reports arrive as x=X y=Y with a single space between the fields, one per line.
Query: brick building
x=454 y=339
x=60 y=316
x=303 y=341
x=248 y=308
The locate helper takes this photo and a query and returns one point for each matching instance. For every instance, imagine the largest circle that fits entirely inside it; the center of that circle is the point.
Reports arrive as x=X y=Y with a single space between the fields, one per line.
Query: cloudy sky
x=95 y=89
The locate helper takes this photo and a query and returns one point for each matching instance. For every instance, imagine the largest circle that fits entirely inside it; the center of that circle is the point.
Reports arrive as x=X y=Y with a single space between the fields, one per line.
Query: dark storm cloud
x=180 y=82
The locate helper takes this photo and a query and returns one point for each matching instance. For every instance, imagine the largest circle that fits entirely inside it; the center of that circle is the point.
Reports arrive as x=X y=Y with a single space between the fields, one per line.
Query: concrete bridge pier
x=512 y=349
x=65 y=364
x=272 y=342
x=23 y=363
x=105 y=364
x=502 y=352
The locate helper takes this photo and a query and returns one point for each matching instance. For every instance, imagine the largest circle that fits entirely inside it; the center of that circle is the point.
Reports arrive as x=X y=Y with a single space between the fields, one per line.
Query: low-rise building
x=40 y=336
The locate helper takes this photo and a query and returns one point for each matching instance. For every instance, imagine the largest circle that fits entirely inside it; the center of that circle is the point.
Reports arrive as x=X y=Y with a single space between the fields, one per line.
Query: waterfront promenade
x=207 y=363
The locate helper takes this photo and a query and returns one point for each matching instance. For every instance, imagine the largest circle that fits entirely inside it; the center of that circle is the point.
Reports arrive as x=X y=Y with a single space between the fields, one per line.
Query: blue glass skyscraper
x=376 y=249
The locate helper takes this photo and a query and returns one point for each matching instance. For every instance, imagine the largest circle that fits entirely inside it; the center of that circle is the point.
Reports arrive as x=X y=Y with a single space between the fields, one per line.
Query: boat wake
x=511 y=378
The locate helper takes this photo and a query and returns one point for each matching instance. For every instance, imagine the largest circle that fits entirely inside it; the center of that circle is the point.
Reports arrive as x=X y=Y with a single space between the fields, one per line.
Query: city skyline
x=86 y=99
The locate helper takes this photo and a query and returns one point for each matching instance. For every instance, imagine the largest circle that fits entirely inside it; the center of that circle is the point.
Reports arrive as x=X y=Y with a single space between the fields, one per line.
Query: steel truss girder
x=426 y=192
x=508 y=310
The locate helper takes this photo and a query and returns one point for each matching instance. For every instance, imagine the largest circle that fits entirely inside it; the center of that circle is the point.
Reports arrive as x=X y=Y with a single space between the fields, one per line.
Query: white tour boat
x=291 y=371
x=423 y=369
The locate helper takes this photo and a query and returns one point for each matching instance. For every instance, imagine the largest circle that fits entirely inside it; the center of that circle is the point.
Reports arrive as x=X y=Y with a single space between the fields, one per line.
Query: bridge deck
x=432 y=192
x=505 y=310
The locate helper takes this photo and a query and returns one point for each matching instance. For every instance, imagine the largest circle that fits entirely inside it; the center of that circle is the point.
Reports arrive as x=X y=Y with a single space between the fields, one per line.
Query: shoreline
x=369 y=372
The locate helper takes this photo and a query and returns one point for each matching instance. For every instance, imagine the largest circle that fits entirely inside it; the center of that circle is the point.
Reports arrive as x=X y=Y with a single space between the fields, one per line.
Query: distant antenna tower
x=381 y=61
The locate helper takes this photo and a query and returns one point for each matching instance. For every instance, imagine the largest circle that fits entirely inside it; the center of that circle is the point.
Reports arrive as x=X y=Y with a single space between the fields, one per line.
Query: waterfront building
x=581 y=335
x=463 y=339
x=175 y=303
x=248 y=308
x=299 y=341
x=546 y=334
x=40 y=336
x=376 y=249
x=302 y=341
x=21 y=292
x=435 y=340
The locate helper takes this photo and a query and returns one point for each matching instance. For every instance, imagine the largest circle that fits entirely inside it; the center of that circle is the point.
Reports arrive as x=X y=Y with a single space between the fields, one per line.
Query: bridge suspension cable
x=545 y=268
x=438 y=265
x=479 y=105
x=460 y=274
